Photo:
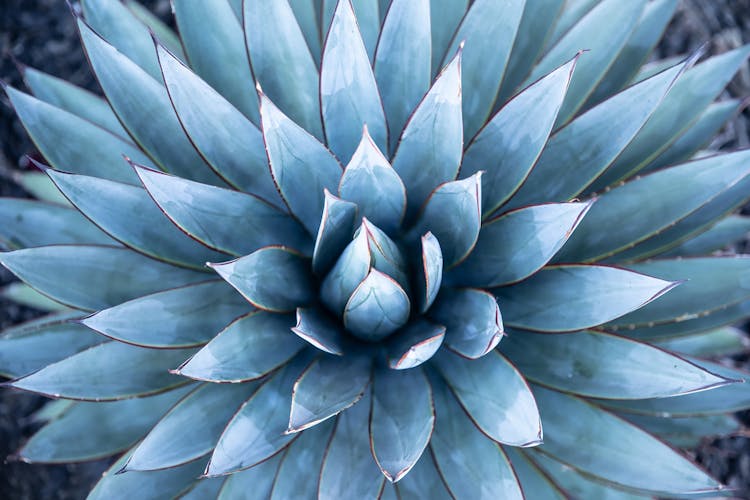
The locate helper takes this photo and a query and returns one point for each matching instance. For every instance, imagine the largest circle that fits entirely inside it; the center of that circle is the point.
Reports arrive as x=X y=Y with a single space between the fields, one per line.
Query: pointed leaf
x=40 y=187
x=386 y=256
x=107 y=372
x=472 y=320
x=164 y=33
x=212 y=215
x=247 y=349
x=445 y=16
x=368 y=17
x=527 y=119
x=517 y=244
x=376 y=308
x=423 y=481
x=94 y=277
x=23 y=294
x=431 y=276
x=320 y=330
x=350 y=269
x=182 y=317
x=203 y=488
x=327 y=387
x=205 y=411
x=429 y=151
x=687 y=432
x=571 y=298
x=415 y=344
x=349 y=96
x=726 y=231
x=282 y=63
x=230 y=143
x=400 y=427
x=711 y=344
x=534 y=482
x=335 y=231
x=371 y=183
x=308 y=16
x=252 y=484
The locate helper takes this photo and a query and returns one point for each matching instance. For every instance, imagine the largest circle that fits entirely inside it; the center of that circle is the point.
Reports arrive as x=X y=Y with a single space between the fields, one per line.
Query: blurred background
x=41 y=34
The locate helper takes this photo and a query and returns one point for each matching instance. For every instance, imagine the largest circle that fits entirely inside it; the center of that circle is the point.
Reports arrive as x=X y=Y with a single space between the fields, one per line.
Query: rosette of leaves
x=449 y=255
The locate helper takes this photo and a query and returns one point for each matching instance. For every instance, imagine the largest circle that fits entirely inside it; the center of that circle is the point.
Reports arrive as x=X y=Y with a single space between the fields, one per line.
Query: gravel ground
x=41 y=33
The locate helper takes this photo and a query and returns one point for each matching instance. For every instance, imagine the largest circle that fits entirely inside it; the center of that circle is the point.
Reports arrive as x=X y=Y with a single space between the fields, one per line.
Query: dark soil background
x=41 y=33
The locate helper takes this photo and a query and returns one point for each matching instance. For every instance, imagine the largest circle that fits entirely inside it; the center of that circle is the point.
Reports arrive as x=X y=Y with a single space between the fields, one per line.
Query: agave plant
x=380 y=249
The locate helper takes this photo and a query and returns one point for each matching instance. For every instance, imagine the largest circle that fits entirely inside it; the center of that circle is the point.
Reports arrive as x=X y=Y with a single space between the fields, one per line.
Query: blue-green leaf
x=40 y=186
x=724 y=341
x=203 y=488
x=368 y=17
x=254 y=483
x=349 y=96
x=445 y=16
x=431 y=276
x=247 y=349
x=423 y=481
x=415 y=344
x=472 y=320
x=335 y=232
x=576 y=297
x=161 y=31
x=308 y=17
x=686 y=432
x=183 y=317
x=23 y=294
x=350 y=269
x=318 y=329
x=377 y=307
x=534 y=482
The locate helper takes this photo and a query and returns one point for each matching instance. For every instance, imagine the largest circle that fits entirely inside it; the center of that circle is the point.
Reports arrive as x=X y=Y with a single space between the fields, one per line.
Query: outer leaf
x=317 y=328
x=430 y=148
x=571 y=298
x=598 y=443
x=400 y=427
x=720 y=342
x=517 y=244
x=416 y=343
x=308 y=16
x=301 y=166
x=182 y=317
x=203 y=488
x=466 y=458
x=212 y=215
x=41 y=187
x=327 y=387
x=445 y=16
x=431 y=277
x=164 y=33
x=349 y=96
x=509 y=145
x=205 y=411
x=247 y=349
x=230 y=143
x=571 y=14
x=87 y=431
x=131 y=217
x=601 y=365
x=282 y=63
x=335 y=232
x=377 y=307
x=506 y=414
x=107 y=372
x=423 y=480
x=687 y=432
x=220 y=59
x=252 y=484
x=728 y=230
x=534 y=482
x=23 y=294
x=94 y=277
x=402 y=61
x=472 y=319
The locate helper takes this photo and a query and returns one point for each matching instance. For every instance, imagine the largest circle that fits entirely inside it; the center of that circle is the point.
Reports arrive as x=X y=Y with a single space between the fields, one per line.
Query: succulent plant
x=449 y=255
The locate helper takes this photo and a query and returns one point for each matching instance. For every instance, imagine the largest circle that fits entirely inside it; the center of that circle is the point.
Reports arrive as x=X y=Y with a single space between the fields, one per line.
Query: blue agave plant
x=449 y=255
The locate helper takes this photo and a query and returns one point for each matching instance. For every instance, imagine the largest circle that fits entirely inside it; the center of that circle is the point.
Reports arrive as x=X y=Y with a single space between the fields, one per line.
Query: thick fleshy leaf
x=34 y=345
x=368 y=17
x=423 y=481
x=256 y=432
x=517 y=244
x=301 y=166
x=453 y=213
x=465 y=457
x=178 y=318
x=247 y=349
x=252 y=484
x=318 y=329
x=598 y=443
x=59 y=135
x=131 y=92
x=430 y=148
x=431 y=276
x=94 y=277
x=385 y=254
x=712 y=283
x=282 y=63
x=107 y=372
x=203 y=488
x=726 y=231
x=371 y=183
x=687 y=432
x=230 y=143
x=327 y=387
x=416 y=343
x=483 y=63
x=308 y=14
x=510 y=144
x=506 y=414
x=402 y=61
x=602 y=365
x=272 y=278
x=302 y=461
x=220 y=59
x=23 y=294
x=377 y=307
x=613 y=223
x=684 y=104
x=349 y=96
x=711 y=344
x=445 y=16
x=335 y=232
x=349 y=450
x=40 y=187
x=161 y=31
x=588 y=33
x=571 y=298
x=534 y=482
x=579 y=152
x=400 y=425
x=87 y=431
x=64 y=95
x=350 y=269
x=212 y=215
x=205 y=411
x=31 y=223
x=131 y=217
x=472 y=320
